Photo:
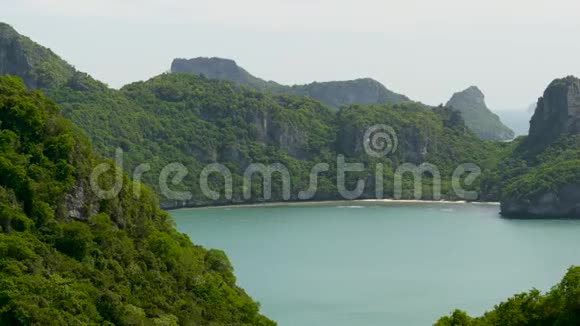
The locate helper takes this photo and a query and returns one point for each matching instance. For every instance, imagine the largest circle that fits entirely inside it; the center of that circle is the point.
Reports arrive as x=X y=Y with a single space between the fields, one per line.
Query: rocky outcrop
x=79 y=203
x=359 y=91
x=38 y=66
x=269 y=131
x=478 y=117
x=222 y=69
x=557 y=112
x=562 y=203
x=334 y=94
x=413 y=143
x=552 y=143
x=13 y=61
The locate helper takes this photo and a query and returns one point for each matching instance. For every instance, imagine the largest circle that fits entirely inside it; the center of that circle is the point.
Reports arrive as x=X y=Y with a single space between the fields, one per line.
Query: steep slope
x=68 y=256
x=557 y=112
x=334 y=94
x=471 y=103
x=38 y=66
x=424 y=136
x=193 y=121
x=542 y=177
x=197 y=121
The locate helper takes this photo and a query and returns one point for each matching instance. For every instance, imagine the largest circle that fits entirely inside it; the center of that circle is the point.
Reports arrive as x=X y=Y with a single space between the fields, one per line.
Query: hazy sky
x=424 y=49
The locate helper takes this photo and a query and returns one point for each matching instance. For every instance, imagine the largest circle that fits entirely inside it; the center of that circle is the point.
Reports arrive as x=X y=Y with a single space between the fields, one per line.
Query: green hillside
x=69 y=257
x=195 y=121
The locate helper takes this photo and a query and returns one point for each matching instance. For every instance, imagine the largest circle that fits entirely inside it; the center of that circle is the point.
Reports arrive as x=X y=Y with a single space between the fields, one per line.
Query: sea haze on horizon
x=423 y=49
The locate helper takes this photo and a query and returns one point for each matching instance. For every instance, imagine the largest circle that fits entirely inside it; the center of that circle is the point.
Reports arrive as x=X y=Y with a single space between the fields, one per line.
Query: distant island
x=226 y=122
x=335 y=94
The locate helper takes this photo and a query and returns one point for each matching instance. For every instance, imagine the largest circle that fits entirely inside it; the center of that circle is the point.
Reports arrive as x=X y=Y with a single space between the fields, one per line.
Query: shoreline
x=332 y=202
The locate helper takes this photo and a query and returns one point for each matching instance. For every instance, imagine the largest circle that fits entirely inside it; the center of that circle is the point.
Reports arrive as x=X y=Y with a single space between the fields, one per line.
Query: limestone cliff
x=478 y=117
x=550 y=183
x=334 y=94
x=36 y=65
x=563 y=202
x=557 y=112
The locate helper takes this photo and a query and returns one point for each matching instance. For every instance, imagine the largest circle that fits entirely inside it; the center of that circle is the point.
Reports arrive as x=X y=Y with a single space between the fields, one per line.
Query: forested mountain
x=194 y=121
x=478 y=117
x=334 y=94
x=71 y=257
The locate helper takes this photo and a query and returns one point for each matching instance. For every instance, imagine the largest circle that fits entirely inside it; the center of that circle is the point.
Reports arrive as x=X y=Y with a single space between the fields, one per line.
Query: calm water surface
x=382 y=264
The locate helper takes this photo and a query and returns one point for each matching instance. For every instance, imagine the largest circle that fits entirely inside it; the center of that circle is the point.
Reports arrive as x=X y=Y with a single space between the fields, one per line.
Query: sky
x=427 y=50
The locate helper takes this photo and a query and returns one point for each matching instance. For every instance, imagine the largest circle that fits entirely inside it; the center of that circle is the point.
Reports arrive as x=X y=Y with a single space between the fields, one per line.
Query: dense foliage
x=548 y=169
x=560 y=306
x=437 y=136
x=526 y=171
x=67 y=257
x=70 y=258
x=196 y=121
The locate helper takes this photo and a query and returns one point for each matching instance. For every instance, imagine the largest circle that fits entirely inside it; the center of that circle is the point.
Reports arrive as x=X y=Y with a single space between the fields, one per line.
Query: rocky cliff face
x=478 y=117
x=269 y=131
x=557 y=112
x=564 y=202
x=37 y=66
x=552 y=155
x=13 y=61
x=222 y=69
x=334 y=94
x=359 y=91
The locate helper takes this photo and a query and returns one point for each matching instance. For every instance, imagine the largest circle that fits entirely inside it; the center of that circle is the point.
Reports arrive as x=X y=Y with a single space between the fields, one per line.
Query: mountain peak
x=214 y=66
x=471 y=93
x=474 y=90
x=478 y=117
x=334 y=93
x=6 y=29
x=557 y=111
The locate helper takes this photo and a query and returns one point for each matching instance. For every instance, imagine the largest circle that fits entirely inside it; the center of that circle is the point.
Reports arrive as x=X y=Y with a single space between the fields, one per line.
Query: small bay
x=370 y=263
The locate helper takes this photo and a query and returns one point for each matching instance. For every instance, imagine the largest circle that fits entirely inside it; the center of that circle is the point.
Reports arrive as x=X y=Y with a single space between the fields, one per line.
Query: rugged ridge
x=478 y=117
x=334 y=94
x=37 y=66
x=196 y=121
x=557 y=112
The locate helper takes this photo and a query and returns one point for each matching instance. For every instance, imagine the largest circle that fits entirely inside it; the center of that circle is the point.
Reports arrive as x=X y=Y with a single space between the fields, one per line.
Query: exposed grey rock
x=79 y=204
x=562 y=203
x=478 y=117
x=557 y=112
x=334 y=94
x=36 y=65
x=13 y=60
